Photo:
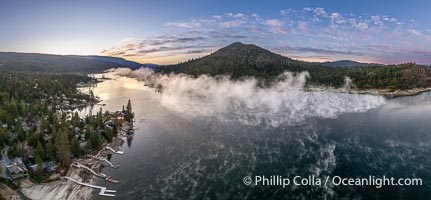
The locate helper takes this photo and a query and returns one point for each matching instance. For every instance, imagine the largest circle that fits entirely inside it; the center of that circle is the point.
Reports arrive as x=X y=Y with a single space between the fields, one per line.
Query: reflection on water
x=173 y=156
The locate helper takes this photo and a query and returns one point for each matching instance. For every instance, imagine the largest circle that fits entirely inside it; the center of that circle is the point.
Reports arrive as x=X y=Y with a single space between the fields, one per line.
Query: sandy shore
x=68 y=190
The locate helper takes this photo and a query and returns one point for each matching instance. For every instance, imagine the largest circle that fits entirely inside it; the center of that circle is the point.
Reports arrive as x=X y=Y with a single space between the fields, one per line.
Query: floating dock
x=103 y=190
x=113 y=151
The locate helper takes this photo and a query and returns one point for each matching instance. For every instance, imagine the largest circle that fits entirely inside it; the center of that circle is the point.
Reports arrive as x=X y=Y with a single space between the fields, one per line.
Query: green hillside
x=32 y=62
x=247 y=60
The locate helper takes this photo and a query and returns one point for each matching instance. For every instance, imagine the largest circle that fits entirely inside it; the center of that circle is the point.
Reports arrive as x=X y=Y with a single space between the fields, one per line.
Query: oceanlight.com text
x=375 y=181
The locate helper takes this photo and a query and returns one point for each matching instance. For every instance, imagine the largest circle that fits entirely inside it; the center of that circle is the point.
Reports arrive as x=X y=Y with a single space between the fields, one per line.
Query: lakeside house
x=48 y=167
x=17 y=169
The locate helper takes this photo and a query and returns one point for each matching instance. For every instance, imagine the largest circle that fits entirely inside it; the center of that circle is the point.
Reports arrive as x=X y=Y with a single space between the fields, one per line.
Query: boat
x=109 y=178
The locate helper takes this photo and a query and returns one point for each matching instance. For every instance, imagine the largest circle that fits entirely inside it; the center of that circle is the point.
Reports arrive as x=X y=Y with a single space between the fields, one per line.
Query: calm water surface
x=175 y=157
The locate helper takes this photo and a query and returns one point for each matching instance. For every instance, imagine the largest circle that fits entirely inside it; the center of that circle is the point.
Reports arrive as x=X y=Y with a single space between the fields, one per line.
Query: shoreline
x=64 y=189
x=387 y=93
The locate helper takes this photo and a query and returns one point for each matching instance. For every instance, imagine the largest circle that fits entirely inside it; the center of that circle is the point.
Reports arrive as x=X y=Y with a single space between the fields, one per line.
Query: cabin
x=48 y=167
x=17 y=169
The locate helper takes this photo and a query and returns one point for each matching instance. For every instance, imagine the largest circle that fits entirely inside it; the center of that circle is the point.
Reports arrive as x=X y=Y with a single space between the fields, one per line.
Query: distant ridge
x=151 y=65
x=347 y=63
x=121 y=61
x=35 y=62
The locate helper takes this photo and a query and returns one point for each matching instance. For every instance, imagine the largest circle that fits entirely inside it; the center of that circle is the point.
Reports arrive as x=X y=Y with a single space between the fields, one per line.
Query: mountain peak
x=243 y=50
x=235 y=59
x=236 y=44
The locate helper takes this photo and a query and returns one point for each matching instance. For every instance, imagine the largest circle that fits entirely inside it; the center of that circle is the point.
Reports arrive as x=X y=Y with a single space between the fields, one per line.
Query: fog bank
x=243 y=101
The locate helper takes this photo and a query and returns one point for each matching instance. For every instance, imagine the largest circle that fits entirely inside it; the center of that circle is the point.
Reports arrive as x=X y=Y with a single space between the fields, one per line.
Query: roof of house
x=17 y=166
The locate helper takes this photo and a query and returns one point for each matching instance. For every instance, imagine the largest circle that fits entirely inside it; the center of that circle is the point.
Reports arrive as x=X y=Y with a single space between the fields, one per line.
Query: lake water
x=177 y=155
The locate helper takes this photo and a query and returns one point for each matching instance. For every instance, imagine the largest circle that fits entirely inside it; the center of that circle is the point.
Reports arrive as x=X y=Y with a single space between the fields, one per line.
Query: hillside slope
x=120 y=61
x=240 y=60
x=247 y=60
x=348 y=63
x=32 y=62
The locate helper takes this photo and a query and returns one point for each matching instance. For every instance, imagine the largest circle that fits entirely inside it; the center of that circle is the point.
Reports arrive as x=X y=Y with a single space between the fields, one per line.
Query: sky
x=166 y=32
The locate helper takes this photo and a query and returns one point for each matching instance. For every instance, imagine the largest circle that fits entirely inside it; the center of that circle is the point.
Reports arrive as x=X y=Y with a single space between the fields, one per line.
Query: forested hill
x=240 y=60
x=32 y=62
x=347 y=63
x=247 y=60
x=121 y=61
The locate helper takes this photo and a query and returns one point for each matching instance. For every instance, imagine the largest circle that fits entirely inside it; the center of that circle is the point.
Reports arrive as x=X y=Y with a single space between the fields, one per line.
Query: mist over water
x=285 y=102
x=200 y=137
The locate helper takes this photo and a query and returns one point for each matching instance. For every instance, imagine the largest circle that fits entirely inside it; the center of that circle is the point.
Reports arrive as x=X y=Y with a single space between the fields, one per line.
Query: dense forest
x=247 y=60
x=37 y=122
x=33 y=62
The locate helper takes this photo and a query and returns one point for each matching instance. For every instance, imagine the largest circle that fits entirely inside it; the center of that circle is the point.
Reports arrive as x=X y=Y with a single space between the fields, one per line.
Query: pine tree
x=99 y=118
x=128 y=113
x=39 y=163
x=91 y=95
x=76 y=120
x=39 y=150
x=49 y=150
x=89 y=146
x=75 y=147
x=109 y=134
x=19 y=149
x=62 y=146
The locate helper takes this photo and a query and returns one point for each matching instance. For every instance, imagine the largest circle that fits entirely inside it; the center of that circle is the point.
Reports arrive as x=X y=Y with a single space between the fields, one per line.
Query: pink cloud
x=276 y=26
x=192 y=24
x=230 y=24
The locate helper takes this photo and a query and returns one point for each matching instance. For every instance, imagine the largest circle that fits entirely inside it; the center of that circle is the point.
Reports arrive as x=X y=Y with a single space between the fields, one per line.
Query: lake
x=181 y=152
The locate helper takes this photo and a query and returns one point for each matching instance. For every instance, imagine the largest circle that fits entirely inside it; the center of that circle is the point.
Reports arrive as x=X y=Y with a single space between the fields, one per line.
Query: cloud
x=161 y=44
x=276 y=26
x=385 y=18
x=337 y=18
x=414 y=32
x=218 y=17
x=237 y=15
x=230 y=24
x=191 y=24
x=320 y=12
x=362 y=25
x=299 y=50
x=286 y=11
x=304 y=27
x=311 y=31
x=217 y=35
x=162 y=40
x=421 y=52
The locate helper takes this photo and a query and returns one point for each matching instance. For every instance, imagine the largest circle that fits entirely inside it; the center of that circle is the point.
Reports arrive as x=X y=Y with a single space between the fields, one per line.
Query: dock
x=113 y=151
x=103 y=190
x=79 y=165
x=105 y=160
